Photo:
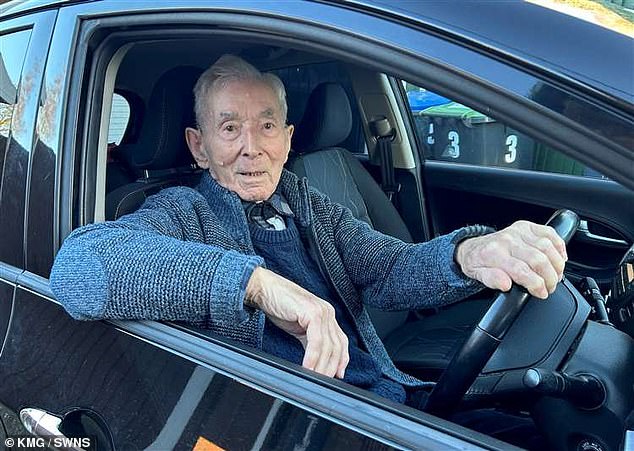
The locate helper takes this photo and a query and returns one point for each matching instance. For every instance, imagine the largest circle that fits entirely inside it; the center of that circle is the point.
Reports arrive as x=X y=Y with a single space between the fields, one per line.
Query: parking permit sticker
x=202 y=444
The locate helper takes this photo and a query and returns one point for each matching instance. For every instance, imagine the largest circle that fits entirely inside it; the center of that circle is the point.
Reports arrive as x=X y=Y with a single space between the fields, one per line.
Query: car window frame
x=41 y=26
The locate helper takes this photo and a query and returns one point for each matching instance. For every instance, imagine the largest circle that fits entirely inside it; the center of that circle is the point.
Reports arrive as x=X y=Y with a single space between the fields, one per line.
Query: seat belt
x=385 y=134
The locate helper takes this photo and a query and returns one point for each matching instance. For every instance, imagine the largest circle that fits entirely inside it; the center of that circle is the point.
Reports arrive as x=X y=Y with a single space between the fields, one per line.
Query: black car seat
x=420 y=347
x=334 y=170
x=160 y=157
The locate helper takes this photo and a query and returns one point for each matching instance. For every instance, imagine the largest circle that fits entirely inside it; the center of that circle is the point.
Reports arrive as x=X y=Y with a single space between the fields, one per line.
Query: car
x=459 y=113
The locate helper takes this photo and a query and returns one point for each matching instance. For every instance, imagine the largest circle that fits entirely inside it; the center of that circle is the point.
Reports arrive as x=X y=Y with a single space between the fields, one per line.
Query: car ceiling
x=148 y=60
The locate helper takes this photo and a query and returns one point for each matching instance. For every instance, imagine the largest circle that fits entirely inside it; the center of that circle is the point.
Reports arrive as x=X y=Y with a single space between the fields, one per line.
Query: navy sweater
x=285 y=254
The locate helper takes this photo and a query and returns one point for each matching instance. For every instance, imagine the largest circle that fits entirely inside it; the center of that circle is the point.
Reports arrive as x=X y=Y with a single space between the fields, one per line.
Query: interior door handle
x=583 y=232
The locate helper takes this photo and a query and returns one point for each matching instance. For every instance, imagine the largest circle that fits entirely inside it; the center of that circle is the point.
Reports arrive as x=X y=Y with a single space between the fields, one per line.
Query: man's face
x=244 y=142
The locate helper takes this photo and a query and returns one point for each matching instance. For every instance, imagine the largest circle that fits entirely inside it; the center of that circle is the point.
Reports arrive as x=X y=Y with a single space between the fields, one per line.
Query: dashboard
x=620 y=303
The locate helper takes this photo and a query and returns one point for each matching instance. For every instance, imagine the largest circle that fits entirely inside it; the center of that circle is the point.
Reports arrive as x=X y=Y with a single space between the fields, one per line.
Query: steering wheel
x=487 y=335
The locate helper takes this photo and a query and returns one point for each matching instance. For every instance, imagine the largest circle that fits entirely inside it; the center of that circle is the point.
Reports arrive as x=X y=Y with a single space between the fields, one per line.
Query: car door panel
x=147 y=396
x=6 y=305
x=68 y=364
x=466 y=194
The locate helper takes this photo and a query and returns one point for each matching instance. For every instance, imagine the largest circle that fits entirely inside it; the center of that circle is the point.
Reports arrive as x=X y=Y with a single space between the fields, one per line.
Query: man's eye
x=269 y=125
x=230 y=128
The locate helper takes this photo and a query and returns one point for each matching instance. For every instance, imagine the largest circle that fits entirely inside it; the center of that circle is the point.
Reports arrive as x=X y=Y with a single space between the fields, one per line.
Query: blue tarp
x=420 y=100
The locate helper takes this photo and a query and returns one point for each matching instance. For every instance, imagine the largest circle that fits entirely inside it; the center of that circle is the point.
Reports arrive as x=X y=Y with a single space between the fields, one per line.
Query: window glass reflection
x=13 y=156
x=12 y=54
x=119 y=118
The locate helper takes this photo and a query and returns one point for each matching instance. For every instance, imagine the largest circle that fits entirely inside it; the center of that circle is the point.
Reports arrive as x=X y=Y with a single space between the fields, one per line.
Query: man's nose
x=250 y=142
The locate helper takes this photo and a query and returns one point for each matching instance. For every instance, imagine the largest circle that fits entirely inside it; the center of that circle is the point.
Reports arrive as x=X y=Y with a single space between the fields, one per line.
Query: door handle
x=40 y=423
x=584 y=233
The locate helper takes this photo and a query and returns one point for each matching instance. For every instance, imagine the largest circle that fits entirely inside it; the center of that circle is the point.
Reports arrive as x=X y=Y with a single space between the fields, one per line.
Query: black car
x=460 y=113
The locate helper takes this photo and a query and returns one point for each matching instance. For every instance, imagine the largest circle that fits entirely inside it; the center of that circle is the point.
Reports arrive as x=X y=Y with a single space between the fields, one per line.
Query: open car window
x=452 y=132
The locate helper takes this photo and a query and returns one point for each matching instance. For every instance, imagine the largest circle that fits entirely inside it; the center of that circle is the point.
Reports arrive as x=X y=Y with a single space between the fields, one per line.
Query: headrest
x=327 y=120
x=170 y=110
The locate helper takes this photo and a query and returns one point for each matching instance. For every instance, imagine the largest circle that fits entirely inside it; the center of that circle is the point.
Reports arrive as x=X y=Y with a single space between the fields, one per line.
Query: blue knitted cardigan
x=187 y=255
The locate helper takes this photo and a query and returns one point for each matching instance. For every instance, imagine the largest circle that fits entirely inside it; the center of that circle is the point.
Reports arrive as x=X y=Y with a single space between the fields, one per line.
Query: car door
x=151 y=384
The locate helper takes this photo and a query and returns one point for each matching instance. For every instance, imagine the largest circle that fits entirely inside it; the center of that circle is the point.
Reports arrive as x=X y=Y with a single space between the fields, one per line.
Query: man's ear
x=194 y=140
x=289 y=129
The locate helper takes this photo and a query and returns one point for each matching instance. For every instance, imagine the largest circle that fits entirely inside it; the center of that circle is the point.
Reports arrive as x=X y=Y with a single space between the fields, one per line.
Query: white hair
x=229 y=68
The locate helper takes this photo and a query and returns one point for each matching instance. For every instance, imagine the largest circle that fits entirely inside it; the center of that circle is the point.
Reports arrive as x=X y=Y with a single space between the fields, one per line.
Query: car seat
x=422 y=347
x=335 y=171
x=160 y=157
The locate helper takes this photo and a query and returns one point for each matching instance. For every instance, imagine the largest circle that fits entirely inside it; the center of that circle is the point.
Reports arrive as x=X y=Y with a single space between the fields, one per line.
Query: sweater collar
x=296 y=192
x=216 y=195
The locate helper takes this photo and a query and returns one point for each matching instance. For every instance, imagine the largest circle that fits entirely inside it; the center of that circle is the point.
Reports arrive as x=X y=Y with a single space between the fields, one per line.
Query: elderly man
x=255 y=254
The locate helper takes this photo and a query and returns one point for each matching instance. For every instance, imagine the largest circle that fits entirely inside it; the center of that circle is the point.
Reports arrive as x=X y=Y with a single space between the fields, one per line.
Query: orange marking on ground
x=202 y=444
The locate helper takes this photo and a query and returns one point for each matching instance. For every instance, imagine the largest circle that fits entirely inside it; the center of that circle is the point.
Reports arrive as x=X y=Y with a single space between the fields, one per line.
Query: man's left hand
x=528 y=254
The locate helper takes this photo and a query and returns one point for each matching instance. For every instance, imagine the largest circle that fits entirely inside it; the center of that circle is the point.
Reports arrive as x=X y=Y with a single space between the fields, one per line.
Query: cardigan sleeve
x=153 y=264
x=393 y=275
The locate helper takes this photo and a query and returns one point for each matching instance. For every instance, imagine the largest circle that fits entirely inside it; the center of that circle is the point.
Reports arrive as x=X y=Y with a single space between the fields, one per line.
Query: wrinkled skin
x=245 y=141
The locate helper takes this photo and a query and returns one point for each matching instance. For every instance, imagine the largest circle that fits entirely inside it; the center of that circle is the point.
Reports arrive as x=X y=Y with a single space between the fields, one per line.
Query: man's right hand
x=305 y=316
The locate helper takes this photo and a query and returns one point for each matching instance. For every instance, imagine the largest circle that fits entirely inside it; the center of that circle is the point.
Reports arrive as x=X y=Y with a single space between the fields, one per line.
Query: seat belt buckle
x=391 y=190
